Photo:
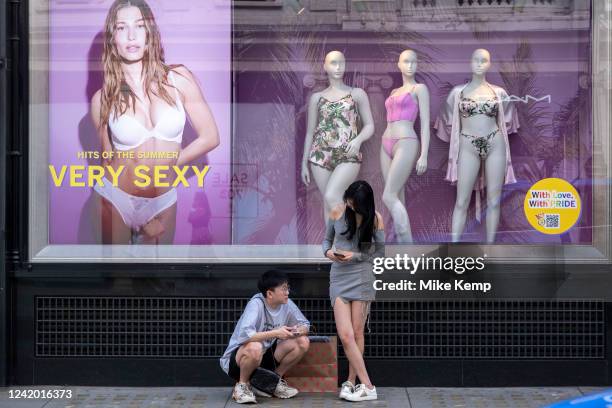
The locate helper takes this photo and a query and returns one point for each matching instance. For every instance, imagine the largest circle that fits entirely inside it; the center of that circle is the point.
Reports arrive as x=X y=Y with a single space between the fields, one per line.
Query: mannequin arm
x=363 y=105
x=330 y=233
x=311 y=123
x=423 y=95
x=443 y=123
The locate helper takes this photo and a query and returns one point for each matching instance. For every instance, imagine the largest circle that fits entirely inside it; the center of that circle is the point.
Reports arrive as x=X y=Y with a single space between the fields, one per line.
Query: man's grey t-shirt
x=255 y=319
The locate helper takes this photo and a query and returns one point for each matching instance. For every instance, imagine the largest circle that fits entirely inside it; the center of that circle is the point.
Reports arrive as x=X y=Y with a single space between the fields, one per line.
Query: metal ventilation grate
x=200 y=327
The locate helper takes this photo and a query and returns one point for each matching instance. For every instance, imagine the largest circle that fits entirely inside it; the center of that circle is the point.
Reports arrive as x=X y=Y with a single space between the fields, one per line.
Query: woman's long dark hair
x=362 y=197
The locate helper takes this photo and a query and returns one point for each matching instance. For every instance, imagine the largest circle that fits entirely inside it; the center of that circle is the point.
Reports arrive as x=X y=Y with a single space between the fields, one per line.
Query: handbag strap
x=266 y=313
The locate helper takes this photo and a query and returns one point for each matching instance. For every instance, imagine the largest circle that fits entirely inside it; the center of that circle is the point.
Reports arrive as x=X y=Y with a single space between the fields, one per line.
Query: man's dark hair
x=270 y=280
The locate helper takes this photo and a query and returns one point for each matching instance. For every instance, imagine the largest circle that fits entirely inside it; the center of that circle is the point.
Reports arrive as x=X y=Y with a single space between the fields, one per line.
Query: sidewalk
x=213 y=397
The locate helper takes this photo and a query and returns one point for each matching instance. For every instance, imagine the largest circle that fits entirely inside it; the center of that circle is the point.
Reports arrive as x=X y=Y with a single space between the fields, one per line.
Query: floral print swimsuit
x=469 y=107
x=337 y=127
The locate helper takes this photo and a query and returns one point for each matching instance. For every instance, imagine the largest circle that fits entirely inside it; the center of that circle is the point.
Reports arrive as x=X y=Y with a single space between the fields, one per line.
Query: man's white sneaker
x=242 y=394
x=347 y=388
x=362 y=393
x=284 y=390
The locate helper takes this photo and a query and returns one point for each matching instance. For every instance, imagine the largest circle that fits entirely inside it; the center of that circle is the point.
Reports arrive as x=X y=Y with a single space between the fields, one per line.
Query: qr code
x=552 y=221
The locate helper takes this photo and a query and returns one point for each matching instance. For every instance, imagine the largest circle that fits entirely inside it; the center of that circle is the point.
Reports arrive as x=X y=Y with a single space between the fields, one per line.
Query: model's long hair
x=117 y=96
x=362 y=197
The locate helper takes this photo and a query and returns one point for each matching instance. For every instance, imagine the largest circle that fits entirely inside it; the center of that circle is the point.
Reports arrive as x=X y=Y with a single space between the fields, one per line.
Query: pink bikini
x=400 y=107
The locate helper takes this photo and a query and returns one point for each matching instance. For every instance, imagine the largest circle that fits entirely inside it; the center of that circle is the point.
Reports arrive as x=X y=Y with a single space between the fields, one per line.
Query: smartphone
x=339 y=255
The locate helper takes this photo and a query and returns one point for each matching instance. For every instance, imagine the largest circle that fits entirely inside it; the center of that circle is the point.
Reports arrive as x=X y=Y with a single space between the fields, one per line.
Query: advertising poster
x=139 y=122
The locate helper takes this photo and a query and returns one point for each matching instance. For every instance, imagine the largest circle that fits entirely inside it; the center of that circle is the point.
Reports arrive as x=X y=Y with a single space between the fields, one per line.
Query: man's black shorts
x=267 y=361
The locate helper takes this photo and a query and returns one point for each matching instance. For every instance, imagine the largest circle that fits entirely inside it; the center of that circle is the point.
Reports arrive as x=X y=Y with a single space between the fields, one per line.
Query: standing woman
x=140 y=112
x=354 y=236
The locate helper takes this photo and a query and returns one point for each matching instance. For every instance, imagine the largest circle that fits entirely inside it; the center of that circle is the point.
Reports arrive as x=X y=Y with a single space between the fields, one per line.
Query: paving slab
x=220 y=397
x=593 y=390
x=388 y=397
x=126 y=397
x=512 y=397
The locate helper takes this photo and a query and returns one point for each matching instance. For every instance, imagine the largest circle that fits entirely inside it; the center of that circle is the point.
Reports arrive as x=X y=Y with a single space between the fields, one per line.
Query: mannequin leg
x=321 y=177
x=467 y=172
x=405 y=153
x=401 y=195
x=342 y=177
x=385 y=163
x=495 y=174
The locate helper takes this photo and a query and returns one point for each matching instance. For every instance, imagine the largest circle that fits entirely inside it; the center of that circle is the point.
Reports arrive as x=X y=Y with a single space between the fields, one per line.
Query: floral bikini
x=337 y=127
x=468 y=107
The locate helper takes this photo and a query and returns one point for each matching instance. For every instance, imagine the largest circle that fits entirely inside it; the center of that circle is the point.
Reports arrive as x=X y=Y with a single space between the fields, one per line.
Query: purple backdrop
x=554 y=139
x=194 y=33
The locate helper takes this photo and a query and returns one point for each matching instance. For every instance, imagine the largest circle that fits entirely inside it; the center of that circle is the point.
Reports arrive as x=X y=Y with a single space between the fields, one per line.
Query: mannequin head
x=407 y=62
x=334 y=65
x=481 y=61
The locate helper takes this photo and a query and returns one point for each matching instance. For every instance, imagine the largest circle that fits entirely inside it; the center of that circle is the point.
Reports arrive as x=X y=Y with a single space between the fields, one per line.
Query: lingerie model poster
x=139 y=122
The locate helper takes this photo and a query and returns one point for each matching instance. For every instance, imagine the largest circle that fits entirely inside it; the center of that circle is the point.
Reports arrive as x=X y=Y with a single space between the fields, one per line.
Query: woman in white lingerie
x=142 y=108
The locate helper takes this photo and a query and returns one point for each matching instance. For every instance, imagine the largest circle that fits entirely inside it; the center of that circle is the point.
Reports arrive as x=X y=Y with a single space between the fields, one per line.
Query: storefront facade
x=79 y=308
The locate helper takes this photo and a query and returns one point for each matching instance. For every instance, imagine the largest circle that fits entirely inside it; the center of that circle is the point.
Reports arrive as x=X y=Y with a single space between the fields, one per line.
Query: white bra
x=128 y=133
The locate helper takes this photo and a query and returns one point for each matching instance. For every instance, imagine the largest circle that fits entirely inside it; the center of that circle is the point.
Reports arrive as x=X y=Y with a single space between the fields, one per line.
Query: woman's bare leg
x=114 y=230
x=359 y=313
x=344 y=327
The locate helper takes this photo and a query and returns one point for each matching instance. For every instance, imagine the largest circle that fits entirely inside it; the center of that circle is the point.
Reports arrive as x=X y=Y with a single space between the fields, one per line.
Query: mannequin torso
x=478 y=97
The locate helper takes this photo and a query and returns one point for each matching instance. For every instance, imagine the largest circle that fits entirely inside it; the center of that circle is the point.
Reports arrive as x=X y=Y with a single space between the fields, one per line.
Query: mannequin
x=481 y=117
x=400 y=145
x=333 y=141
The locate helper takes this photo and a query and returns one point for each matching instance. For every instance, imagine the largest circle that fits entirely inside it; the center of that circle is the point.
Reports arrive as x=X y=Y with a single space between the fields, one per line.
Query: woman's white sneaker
x=362 y=393
x=347 y=388
x=242 y=394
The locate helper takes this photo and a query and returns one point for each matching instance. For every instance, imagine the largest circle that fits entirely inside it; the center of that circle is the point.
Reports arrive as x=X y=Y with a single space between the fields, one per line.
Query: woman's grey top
x=333 y=232
x=352 y=280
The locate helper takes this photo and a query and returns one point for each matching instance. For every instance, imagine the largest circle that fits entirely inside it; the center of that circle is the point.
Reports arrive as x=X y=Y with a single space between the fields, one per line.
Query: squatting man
x=271 y=334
